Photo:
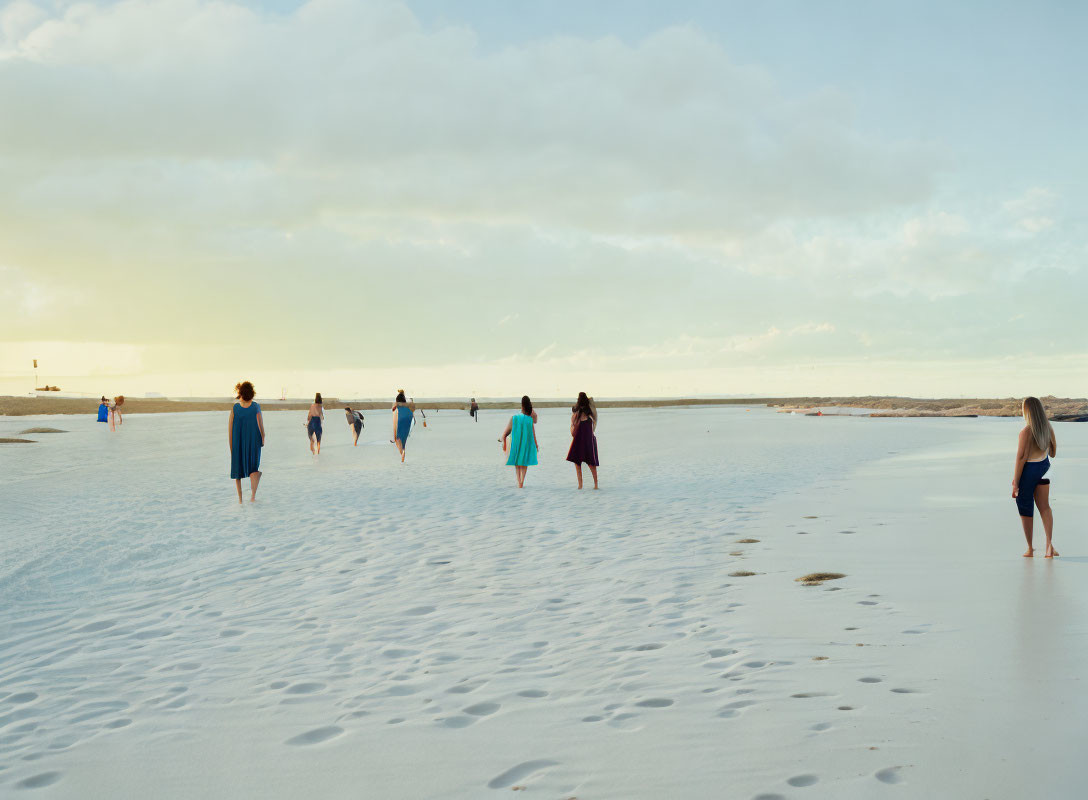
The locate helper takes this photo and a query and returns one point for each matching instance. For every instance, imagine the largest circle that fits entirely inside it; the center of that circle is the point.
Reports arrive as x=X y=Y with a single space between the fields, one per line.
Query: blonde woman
x=1029 y=488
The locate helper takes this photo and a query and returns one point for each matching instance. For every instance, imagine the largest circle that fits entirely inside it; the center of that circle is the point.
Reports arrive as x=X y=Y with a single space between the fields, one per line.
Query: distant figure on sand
x=474 y=410
x=115 y=412
x=412 y=405
x=1029 y=488
x=355 y=422
x=523 y=447
x=104 y=410
x=245 y=435
x=313 y=423
x=583 y=427
x=402 y=423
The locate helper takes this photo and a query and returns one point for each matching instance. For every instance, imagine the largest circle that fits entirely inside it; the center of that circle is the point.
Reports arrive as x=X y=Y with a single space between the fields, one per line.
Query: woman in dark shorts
x=583 y=450
x=313 y=423
x=1029 y=488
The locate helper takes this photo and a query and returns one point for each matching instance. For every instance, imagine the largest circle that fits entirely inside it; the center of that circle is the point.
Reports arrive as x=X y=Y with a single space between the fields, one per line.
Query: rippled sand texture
x=369 y=629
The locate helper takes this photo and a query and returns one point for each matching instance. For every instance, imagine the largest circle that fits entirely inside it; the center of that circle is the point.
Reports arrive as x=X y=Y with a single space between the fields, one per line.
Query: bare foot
x=595 y=486
x=402 y=458
x=1050 y=553
x=1030 y=553
x=311 y=448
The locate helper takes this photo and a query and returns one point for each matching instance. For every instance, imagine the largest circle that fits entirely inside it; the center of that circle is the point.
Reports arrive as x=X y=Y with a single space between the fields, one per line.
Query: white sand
x=427 y=631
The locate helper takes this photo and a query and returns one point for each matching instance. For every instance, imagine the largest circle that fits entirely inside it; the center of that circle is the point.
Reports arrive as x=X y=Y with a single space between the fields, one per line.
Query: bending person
x=313 y=423
x=1029 y=488
x=583 y=448
x=245 y=436
x=355 y=421
x=523 y=445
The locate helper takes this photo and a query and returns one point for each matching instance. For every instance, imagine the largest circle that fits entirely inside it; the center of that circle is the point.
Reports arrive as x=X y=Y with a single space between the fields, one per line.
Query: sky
x=491 y=198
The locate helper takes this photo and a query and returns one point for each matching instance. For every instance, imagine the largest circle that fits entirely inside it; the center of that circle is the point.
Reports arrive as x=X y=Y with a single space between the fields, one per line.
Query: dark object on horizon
x=1069 y=418
x=47 y=388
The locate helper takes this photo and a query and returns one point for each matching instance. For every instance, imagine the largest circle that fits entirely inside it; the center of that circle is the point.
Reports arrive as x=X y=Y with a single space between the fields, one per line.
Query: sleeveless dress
x=522 y=444
x=103 y=413
x=584 y=447
x=245 y=455
x=404 y=423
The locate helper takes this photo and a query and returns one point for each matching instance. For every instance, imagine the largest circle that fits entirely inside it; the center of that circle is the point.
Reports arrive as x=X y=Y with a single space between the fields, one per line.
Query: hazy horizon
x=474 y=197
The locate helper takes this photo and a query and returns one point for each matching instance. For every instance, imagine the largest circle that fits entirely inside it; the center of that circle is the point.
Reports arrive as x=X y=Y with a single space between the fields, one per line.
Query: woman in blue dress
x=245 y=435
x=523 y=447
x=104 y=410
x=402 y=422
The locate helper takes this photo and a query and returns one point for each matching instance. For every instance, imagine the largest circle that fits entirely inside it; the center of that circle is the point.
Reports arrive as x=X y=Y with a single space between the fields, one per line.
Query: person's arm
x=1053 y=444
x=534 y=416
x=1021 y=457
x=506 y=433
x=230 y=431
x=573 y=423
x=260 y=425
x=535 y=442
x=394 y=423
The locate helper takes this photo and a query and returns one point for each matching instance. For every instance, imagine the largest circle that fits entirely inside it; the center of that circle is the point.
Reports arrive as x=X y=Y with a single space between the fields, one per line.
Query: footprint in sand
x=870 y=680
x=533 y=693
x=651 y=646
x=459 y=721
x=39 y=781
x=866 y=602
x=821 y=726
x=419 y=611
x=625 y=722
x=769 y=797
x=519 y=773
x=655 y=702
x=306 y=688
x=889 y=775
x=802 y=780
x=905 y=691
x=316 y=736
x=807 y=695
x=482 y=709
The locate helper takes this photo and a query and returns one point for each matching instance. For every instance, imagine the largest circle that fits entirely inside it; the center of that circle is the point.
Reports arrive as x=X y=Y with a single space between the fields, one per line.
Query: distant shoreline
x=1058 y=408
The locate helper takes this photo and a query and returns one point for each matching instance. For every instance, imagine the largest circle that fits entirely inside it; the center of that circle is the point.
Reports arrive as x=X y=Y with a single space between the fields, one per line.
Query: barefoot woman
x=1029 y=487
x=402 y=422
x=523 y=446
x=583 y=446
x=245 y=435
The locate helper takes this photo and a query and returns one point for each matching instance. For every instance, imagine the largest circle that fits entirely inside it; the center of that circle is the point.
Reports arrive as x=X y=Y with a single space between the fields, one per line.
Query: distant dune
x=1059 y=408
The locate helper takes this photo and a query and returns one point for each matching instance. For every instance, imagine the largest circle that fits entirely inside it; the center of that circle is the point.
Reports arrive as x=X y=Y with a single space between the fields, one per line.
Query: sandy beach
x=428 y=631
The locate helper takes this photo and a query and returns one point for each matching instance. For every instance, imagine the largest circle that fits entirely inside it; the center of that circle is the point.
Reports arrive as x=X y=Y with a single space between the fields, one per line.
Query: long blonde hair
x=1042 y=433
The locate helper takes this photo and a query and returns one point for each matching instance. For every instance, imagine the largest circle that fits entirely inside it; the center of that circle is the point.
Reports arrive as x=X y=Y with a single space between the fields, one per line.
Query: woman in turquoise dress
x=402 y=423
x=522 y=432
x=245 y=435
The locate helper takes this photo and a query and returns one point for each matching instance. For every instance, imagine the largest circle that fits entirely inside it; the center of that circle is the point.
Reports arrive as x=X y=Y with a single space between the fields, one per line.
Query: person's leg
x=578 y=472
x=1027 y=523
x=254 y=479
x=400 y=449
x=1046 y=514
x=318 y=432
x=238 y=486
x=310 y=436
x=593 y=472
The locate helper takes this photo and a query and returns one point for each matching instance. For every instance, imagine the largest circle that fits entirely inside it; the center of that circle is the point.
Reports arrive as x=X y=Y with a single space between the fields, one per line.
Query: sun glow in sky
x=492 y=198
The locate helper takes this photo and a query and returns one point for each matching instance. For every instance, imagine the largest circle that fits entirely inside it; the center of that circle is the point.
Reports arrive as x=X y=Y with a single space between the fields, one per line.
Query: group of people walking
x=246 y=434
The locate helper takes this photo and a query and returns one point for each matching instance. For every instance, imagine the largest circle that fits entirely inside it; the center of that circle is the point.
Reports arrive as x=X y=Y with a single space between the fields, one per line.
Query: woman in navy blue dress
x=245 y=435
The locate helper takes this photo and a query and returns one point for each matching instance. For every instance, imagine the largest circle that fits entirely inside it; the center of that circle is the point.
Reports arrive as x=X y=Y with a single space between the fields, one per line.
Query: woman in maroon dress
x=583 y=423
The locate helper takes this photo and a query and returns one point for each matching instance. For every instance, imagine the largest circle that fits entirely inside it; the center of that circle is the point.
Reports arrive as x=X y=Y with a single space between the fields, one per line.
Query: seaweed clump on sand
x=741 y=573
x=747 y=541
x=41 y=430
x=817 y=578
x=16 y=441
